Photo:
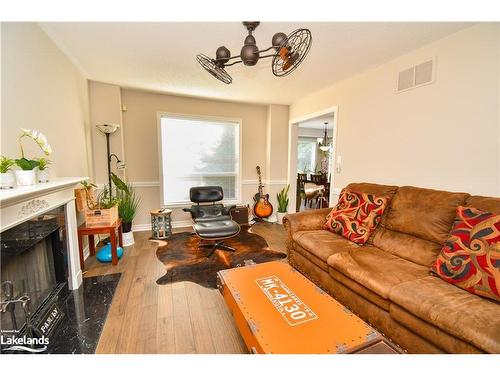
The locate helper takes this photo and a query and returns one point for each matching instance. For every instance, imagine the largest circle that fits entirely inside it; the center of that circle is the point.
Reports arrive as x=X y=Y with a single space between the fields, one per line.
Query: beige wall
x=444 y=135
x=140 y=139
x=105 y=108
x=43 y=90
x=277 y=151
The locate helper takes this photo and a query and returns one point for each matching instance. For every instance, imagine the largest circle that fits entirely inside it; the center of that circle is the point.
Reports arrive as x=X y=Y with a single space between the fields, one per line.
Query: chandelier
x=287 y=53
x=325 y=144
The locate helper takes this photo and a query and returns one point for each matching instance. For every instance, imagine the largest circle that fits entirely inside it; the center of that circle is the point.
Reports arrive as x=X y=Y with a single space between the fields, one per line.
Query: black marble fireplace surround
x=34 y=260
x=85 y=312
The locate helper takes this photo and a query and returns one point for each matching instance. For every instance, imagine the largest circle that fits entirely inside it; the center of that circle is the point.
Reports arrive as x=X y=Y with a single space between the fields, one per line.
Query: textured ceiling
x=161 y=56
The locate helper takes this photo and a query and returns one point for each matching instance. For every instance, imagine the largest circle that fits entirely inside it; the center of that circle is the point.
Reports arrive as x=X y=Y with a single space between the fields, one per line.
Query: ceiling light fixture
x=325 y=144
x=287 y=53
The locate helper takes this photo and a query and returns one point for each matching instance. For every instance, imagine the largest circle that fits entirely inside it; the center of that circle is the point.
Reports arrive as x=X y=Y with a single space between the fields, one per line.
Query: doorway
x=312 y=159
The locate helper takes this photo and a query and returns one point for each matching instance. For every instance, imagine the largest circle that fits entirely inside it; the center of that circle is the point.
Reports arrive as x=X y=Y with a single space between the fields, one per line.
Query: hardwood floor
x=176 y=318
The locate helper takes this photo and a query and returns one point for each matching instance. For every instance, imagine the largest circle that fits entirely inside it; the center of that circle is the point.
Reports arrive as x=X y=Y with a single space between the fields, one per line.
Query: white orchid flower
x=39 y=138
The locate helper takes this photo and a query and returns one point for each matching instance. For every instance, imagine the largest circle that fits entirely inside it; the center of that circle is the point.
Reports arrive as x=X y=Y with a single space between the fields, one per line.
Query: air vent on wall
x=416 y=76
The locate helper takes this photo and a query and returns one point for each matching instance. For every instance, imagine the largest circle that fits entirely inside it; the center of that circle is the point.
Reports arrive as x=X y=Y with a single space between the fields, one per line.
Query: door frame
x=292 y=152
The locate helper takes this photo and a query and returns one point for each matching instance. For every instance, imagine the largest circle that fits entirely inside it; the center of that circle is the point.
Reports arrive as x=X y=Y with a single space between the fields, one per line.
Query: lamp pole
x=108 y=158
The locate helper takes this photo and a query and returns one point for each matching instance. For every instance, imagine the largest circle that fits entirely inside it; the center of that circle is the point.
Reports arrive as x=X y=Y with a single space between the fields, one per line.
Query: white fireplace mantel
x=26 y=202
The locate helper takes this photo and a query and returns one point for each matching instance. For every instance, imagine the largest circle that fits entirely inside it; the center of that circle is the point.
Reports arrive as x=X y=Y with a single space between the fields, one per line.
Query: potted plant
x=26 y=175
x=85 y=196
x=7 y=180
x=282 y=204
x=43 y=173
x=104 y=212
x=128 y=202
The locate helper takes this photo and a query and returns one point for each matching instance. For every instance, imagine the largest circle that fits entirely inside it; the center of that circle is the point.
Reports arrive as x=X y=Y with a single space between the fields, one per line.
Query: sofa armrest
x=307 y=220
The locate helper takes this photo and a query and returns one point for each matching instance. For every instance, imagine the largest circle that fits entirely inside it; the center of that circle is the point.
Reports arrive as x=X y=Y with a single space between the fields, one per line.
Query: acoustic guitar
x=262 y=207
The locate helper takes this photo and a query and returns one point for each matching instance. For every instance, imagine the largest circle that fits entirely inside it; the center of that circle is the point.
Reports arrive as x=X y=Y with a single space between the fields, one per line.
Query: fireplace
x=33 y=264
x=39 y=259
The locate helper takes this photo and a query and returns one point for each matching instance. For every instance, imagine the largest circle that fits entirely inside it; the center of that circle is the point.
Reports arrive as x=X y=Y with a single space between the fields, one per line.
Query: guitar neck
x=260 y=183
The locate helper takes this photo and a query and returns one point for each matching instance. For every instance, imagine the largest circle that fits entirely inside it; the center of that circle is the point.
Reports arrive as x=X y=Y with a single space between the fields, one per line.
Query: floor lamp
x=107 y=130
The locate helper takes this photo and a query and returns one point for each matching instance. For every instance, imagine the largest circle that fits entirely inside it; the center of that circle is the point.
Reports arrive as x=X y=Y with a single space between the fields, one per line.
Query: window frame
x=183 y=116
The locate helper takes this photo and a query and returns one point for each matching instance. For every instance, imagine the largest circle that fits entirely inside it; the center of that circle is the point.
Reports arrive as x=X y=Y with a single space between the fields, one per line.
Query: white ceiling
x=318 y=122
x=161 y=56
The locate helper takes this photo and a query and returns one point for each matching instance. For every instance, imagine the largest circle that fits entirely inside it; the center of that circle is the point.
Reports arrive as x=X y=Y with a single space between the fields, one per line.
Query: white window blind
x=306 y=155
x=198 y=152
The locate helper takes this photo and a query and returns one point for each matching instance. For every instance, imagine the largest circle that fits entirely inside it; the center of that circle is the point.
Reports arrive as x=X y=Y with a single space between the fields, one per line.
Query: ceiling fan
x=287 y=53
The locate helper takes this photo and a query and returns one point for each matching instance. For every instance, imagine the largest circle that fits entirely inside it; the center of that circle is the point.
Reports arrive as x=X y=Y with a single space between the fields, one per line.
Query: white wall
x=444 y=135
x=43 y=90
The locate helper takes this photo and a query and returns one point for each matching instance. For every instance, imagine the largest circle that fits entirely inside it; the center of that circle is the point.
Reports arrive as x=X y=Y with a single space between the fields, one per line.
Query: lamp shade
x=108 y=128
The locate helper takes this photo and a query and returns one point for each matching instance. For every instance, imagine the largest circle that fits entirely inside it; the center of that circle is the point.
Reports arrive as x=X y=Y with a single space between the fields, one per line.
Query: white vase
x=7 y=180
x=25 y=178
x=128 y=238
x=42 y=175
x=280 y=216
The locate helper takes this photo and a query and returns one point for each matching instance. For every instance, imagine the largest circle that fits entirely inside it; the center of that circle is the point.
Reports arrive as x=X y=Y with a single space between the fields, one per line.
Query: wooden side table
x=84 y=230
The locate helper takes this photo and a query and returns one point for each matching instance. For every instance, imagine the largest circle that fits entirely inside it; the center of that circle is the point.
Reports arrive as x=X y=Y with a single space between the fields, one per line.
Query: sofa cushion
x=356 y=215
x=321 y=243
x=470 y=258
x=443 y=340
x=406 y=246
x=369 y=188
x=359 y=289
x=424 y=213
x=469 y=317
x=376 y=269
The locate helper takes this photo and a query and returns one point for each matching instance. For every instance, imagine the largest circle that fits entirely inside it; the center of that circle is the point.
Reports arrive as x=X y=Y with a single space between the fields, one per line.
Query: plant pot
x=42 y=175
x=280 y=216
x=126 y=227
x=128 y=238
x=25 y=178
x=7 y=180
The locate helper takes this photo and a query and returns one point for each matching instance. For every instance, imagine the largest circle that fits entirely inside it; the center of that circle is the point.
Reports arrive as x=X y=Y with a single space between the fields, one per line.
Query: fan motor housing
x=249 y=54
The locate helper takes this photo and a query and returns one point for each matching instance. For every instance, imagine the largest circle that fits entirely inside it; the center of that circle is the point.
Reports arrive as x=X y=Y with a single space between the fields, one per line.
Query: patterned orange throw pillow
x=470 y=257
x=356 y=215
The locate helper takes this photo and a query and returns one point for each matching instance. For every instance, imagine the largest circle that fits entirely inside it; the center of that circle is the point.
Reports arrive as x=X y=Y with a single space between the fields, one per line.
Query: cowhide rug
x=185 y=262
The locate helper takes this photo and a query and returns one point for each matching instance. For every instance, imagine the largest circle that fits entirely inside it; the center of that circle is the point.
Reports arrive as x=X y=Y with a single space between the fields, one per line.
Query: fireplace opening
x=33 y=263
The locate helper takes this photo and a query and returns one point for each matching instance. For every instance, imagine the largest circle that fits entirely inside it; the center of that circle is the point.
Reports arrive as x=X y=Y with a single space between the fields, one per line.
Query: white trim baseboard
x=146 y=184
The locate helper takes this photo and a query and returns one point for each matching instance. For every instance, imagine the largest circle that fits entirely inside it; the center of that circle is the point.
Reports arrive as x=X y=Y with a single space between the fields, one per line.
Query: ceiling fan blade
x=291 y=52
x=290 y=61
x=216 y=71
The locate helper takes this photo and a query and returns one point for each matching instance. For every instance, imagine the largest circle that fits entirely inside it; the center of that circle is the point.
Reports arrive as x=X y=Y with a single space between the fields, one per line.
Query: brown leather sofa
x=387 y=281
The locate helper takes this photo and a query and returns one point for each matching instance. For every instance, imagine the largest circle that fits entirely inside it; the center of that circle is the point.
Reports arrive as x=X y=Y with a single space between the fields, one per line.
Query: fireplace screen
x=33 y=263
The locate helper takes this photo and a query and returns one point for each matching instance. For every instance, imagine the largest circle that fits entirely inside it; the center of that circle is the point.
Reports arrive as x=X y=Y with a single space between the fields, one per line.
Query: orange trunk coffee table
x=278 y=310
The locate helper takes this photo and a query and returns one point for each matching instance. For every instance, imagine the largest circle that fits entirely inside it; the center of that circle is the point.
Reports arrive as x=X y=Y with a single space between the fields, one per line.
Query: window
x=306 y=155
x=197 y=152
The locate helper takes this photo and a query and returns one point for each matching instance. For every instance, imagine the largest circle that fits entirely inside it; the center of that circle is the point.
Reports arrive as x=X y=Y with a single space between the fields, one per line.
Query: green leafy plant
x=43 y=163
x=6 y=164
x=105 y=200
x=27 y=164
x=283 y=199
x=128 y=203
x=89 y=196
x=87 y=185
x=119 y=183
